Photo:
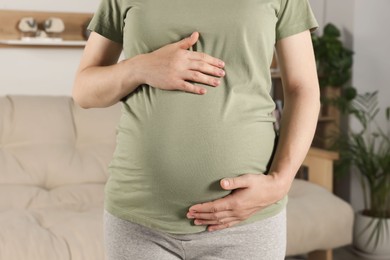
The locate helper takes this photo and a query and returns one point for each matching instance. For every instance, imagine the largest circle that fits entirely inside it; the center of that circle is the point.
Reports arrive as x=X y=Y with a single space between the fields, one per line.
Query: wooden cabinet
x=328 y=125
x=329 y=118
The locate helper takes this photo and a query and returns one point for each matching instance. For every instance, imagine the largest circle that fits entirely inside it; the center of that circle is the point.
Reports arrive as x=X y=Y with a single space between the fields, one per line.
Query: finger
x=203 y=222
x=201 y=56
x=210 y=216
x=223 y=204
x=200 y=77
x=206 y=68
x=223 y=215
x=188 y=87
x=242 y=181
x=227 y=221
x=222 y=226
x=186 y=43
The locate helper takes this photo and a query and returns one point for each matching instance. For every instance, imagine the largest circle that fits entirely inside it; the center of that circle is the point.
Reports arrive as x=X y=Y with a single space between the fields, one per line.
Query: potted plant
x=334 y=60
x=368 y=151
x=334 y=64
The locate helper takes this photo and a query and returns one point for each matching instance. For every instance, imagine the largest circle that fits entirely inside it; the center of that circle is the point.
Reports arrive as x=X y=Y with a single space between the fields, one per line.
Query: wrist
x=133 y=72
x=141 y=68
x=282 y=182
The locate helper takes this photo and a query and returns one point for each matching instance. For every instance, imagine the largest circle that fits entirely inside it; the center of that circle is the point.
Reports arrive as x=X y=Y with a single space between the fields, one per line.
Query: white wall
x=81 y=6
x=319 y=10
x=364 y=28
x=37 y=71
x=372 y=61
x=341 y=13
x=372 y=41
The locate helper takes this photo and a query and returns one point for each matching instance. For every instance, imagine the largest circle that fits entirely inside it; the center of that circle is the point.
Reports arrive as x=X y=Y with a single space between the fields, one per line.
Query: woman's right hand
x=173 y=67
x=101 y=81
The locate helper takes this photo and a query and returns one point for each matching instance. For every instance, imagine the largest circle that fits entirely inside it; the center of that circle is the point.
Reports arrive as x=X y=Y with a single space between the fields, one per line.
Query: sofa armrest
x=320 y=167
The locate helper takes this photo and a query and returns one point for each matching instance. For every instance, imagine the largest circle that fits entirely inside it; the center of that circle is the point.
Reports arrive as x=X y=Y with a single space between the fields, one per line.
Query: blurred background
x=363 y=25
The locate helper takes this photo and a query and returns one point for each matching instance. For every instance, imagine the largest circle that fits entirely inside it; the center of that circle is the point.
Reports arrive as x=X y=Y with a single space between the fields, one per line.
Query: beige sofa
x=53 y=161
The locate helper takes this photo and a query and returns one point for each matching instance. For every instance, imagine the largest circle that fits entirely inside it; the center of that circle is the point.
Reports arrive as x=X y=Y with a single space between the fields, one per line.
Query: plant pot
x=363 y=228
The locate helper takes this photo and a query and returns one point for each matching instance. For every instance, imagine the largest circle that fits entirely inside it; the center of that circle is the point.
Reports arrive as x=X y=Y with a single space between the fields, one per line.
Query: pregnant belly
x=186 y=165
x=192 y=164
x=174 y=153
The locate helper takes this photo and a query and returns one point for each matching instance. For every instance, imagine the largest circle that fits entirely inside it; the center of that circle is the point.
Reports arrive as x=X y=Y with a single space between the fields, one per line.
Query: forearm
x=103 y=86
x=298 y=126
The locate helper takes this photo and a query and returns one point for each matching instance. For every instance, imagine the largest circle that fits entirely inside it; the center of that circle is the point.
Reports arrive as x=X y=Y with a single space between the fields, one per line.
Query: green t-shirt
x=173 y=147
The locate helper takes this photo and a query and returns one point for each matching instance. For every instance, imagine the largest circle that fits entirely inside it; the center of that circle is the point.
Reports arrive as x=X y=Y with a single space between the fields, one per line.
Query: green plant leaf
x=368 y=149
x=331 y=30
x=350 y=93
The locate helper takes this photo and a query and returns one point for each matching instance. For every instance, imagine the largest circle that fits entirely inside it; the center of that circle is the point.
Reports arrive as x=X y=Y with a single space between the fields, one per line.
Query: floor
x=344 y=253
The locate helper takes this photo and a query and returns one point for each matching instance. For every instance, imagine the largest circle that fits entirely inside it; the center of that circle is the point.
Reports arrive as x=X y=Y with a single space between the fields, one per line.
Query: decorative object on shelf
x=28 y=27
x=49 y=30
x=54 y=25
x=369 y=151
x=42 y=29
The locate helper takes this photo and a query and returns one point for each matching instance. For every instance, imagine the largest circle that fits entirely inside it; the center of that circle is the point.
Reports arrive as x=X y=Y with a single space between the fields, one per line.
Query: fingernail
x=217 y=82
x=189 y=215
x=203 y=91
x=197 y=222
x=225 y=183
x=221 y=63
x=222 y=73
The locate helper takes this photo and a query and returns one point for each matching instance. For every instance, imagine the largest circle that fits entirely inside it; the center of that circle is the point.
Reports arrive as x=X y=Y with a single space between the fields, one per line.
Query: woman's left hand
x=250 y=193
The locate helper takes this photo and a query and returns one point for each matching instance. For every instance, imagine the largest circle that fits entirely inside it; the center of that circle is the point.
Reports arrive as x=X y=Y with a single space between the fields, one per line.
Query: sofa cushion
x=316 y=219
x=52 y=233
x=53 y=167
x=48 y=142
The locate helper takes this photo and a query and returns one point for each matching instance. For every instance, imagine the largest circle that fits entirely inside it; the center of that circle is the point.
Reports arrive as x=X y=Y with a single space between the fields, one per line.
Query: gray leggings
x=261 y=240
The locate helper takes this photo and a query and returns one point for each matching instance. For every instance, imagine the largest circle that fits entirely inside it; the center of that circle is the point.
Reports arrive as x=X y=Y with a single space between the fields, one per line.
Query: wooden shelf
x=329 y=119
x=43 y=43
x=72 y=36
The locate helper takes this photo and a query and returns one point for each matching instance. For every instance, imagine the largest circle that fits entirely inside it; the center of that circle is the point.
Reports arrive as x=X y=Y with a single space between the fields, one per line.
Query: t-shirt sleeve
x=108 y=20
x=294 y=16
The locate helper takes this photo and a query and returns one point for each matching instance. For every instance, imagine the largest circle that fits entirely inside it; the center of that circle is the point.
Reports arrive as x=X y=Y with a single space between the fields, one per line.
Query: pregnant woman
x=192 y=176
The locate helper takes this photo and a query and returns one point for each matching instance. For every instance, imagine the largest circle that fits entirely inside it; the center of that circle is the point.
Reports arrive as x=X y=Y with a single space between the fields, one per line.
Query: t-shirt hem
x=147 y=222
x=152 y=224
